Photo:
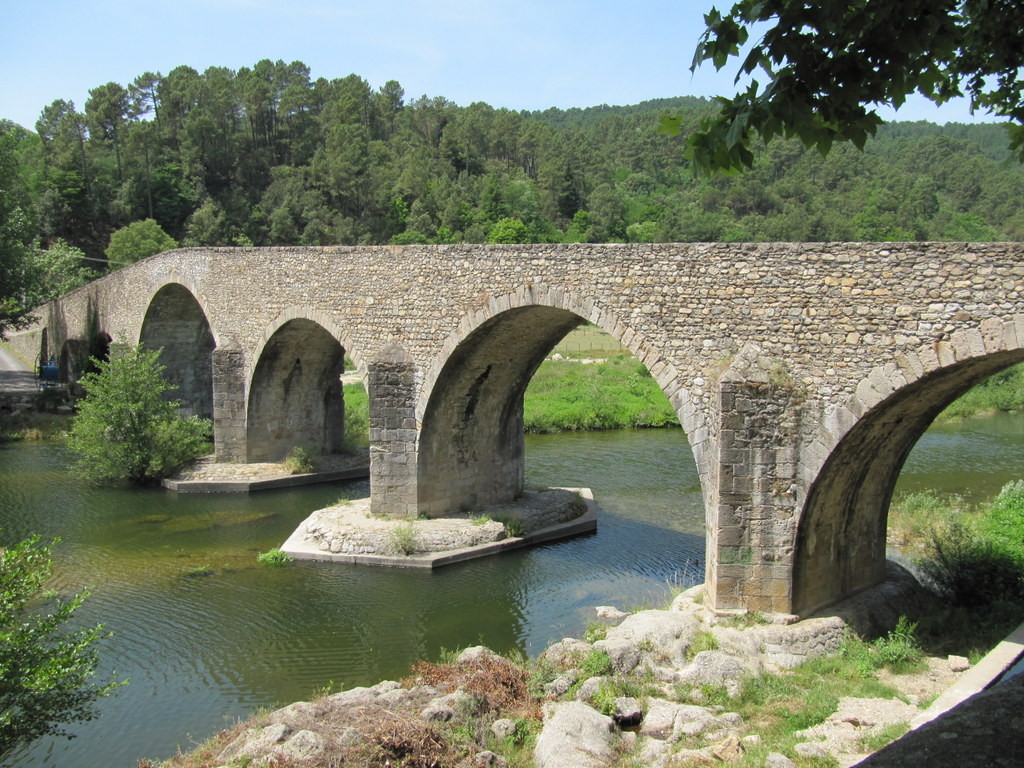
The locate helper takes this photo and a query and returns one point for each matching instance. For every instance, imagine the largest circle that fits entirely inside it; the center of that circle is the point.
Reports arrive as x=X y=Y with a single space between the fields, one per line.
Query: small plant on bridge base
x=273 y=558
x=513 y=526
x=403 y=538
x=300 y=460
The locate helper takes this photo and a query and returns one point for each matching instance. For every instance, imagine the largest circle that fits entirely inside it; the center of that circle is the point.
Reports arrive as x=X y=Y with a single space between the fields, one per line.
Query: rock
x=561 y=684
x=692 y=757
x=610 y=612
x=475 y=652
x=354 y=697
x=623 y=652
x=654 y=753
x=791 y=645
x=778 y=760
x=503 y=728
x=436 y=712
x=566 y=653
x=717 y=668
x=692 y=720
x=728 y=751
x=589 y=688
x=958 y=663
x=254 y=742
x=304 y=745
x=574 y=736
x=299 y=709
x=662 y=636
x=660 y=718
x=669 y=720
x=810 y=749
x=627 y=712
x=689 y=599
x=484 y=760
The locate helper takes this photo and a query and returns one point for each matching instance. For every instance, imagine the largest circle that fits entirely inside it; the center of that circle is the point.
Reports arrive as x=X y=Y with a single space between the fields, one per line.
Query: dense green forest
x=269 y=156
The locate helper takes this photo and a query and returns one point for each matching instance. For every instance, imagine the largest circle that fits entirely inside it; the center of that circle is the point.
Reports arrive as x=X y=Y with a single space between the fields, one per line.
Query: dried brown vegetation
x=499 y=684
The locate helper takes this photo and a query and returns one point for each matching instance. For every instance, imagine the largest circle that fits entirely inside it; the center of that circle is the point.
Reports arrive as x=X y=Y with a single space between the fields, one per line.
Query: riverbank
x=654 y=688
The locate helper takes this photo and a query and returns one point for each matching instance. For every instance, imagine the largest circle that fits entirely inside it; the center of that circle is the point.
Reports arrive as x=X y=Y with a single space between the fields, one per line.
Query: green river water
x=202 y=650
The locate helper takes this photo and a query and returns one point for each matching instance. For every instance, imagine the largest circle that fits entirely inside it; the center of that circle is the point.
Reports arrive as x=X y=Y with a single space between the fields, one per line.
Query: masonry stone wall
x=802 y=373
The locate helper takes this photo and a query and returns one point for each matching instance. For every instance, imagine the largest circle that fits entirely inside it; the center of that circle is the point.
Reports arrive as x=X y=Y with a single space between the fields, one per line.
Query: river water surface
x=202 y=650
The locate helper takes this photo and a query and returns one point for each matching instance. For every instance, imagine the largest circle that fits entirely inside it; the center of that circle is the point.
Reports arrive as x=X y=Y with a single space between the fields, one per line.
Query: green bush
x=47 y=671
x=1004 y=519
x=899 y=649
x=138 y=240
x=403 y=538
x=971 y=570
x=273 y=558
x=126 y=429
x=300 y=460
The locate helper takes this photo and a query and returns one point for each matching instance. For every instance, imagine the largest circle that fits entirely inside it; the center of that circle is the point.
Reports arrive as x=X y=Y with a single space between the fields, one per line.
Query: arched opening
x=99 y=349
x=72 y=361
x=841 y=541
x=471 y=442
x=295 y=397
x=177 y=325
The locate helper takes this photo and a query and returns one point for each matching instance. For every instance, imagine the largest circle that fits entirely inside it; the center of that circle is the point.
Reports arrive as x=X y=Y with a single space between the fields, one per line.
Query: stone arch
x=840 y=542
x=176 y=323
x=295 y=393
x=470 y=450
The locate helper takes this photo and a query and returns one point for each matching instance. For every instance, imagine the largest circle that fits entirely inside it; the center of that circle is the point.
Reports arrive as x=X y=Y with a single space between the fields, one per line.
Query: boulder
x=574 y=736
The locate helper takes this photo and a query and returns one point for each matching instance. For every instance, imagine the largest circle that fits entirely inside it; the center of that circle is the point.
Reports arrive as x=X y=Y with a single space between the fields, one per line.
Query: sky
x=526 y=54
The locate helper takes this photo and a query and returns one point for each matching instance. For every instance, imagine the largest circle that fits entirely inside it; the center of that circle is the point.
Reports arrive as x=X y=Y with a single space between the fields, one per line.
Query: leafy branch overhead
x=829 y=65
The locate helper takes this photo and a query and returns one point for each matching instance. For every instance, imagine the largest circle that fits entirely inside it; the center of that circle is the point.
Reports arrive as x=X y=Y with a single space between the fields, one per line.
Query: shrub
x=300 y=460
x=273 y=558
x=126 y=429
x=514 y=527
x=403 y=538
x=899 y=649
x=47 y=671
x=596 y=663
x=970 y=570
x=136 y=241
x=1004 y=521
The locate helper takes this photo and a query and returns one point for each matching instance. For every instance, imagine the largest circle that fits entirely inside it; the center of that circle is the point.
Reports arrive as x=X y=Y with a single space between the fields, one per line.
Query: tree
x=829 y=62
x=126 y=429
x=46 y=671
x=17 y=233
x=137 y=241
x=55 y=271
x=509 y=230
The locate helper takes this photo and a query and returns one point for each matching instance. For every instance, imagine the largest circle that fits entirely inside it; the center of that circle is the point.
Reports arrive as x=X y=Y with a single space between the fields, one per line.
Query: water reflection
x=198 y=648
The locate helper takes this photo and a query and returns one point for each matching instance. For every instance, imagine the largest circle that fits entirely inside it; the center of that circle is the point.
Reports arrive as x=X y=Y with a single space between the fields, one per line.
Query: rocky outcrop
x=583 y=717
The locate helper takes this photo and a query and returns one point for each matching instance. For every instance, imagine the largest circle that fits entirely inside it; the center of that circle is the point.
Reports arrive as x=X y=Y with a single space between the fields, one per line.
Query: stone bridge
x=803 y=374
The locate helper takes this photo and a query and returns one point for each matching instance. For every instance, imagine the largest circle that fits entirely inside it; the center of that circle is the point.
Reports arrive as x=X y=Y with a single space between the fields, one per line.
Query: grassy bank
x=1002 y=392
x=619 y=393
x=972 y=557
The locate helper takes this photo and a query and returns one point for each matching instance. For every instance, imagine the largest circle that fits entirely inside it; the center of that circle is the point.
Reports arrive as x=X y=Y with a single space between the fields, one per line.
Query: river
x=201 y=650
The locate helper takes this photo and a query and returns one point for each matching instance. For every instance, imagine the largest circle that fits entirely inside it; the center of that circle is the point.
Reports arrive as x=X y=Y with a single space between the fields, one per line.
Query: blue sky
x=527 y=54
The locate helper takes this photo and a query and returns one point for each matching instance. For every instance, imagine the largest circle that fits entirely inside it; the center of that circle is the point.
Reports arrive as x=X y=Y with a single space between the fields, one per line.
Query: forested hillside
x=269 y=156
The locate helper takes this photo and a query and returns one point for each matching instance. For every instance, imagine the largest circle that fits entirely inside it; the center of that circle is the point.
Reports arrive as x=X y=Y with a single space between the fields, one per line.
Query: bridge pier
x=752 y=522
x=229 y=406
x=393 y=386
